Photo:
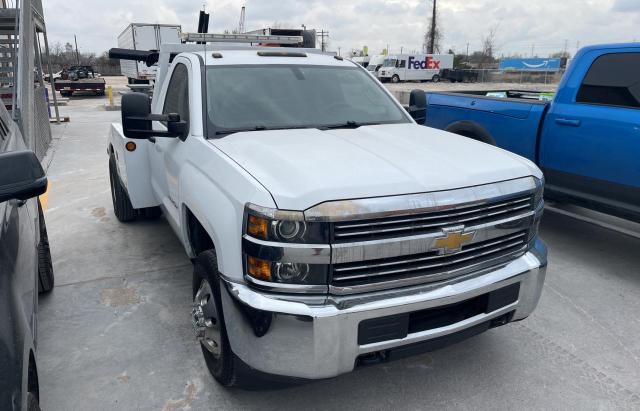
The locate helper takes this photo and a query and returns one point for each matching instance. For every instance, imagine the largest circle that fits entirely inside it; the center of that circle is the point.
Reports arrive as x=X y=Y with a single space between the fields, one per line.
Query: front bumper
x=317 y=337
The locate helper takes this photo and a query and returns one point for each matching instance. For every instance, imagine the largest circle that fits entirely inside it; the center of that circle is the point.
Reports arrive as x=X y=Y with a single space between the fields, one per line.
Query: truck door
x=591 y=140
x=162 y=154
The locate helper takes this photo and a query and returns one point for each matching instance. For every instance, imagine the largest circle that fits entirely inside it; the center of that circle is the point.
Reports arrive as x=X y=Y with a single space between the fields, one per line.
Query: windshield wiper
x=239 y=130
x=257 y=128
x=348 y=124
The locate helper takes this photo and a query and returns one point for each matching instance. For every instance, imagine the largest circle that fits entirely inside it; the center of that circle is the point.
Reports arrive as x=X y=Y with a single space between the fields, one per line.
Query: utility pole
x=432 y=34
x=533 y=46
x=564 y=52
x=77 y=55
x=467 y=52
x=322 y=35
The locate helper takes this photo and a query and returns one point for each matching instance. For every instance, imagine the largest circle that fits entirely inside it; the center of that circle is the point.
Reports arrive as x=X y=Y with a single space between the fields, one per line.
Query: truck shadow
x=591 y=248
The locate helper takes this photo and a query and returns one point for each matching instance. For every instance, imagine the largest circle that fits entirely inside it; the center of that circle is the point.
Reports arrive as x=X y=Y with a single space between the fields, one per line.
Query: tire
x=45 y=264
x=395 y=79
x=222 y=363
x=435 y=78
x=32 y=402
x=122 y=207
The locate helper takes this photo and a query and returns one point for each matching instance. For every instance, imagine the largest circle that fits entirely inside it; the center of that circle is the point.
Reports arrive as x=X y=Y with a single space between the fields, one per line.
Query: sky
x=522 y=26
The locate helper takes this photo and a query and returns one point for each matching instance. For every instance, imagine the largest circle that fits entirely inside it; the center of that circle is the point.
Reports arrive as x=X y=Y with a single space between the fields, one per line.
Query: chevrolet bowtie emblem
x=452 y=241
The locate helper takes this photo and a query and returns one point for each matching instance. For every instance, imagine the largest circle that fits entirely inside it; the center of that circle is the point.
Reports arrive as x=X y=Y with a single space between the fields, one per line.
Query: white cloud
x=543 y=24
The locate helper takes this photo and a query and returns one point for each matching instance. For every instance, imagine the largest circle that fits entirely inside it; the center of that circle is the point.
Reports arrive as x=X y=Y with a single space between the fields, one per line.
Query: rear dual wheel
x=122 y=207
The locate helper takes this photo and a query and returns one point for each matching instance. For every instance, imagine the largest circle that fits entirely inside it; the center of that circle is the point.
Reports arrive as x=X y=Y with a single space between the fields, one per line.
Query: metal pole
x=77 y=55
x=432 y=40
x=53 y=90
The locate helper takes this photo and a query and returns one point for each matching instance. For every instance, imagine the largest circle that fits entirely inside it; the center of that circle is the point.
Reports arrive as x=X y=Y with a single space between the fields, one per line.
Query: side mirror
x=21 y=176
x=418 y=106
x=137 y=119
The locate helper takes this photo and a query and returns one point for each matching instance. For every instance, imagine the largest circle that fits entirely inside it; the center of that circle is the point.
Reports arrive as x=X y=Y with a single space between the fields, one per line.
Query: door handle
x=568 y=122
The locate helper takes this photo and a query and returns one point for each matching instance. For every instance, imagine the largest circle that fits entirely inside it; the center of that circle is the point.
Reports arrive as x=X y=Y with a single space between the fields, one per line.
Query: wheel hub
x=204 y=317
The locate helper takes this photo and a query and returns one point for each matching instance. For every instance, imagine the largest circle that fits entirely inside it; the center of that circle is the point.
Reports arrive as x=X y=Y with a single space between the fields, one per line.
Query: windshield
x=389 y=63
x=259 y=97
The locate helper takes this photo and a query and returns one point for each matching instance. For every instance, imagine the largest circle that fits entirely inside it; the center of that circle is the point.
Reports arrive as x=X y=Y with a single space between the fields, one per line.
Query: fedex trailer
x=414 y=67
x=143 y=36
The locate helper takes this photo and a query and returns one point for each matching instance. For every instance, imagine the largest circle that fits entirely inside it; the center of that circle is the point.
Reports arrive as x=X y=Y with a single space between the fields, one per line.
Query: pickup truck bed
x=468 y=114
x=585 y=137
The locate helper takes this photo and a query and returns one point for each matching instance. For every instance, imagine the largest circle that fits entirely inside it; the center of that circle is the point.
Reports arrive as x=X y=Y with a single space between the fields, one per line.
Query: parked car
x=57 y=75
x=25 y=267
x=328 y=230
x=586 y=140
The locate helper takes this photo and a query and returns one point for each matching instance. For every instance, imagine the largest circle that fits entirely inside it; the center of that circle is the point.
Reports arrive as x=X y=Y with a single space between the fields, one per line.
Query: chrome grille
x=414 y=224
x=432 y=266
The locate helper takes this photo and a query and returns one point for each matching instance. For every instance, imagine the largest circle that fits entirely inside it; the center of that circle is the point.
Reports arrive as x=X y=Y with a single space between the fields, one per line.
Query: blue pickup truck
x=586 y=139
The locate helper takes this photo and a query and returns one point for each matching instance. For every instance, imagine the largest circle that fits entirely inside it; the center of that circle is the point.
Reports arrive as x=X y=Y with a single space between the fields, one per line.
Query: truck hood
x=305 y=167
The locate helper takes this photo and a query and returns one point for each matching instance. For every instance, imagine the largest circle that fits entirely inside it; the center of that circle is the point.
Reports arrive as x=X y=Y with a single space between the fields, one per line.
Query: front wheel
x=395 y=79
x=32 y=402
x=211 y=330
x=208 y=320
x=45 y=265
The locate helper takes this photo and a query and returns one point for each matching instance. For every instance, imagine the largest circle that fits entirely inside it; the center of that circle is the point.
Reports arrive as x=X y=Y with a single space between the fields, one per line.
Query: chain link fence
x=42 y=129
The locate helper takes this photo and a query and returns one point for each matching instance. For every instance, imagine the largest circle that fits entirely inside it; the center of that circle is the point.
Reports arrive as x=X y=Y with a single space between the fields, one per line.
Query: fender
x=471 y=130
x=219 y=208
x=133 y=167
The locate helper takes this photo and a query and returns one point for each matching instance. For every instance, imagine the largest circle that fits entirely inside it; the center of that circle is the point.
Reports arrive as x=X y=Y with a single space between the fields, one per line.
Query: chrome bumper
x=317 y=337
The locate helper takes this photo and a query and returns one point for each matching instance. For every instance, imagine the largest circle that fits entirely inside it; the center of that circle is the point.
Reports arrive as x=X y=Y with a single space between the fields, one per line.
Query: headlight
x=283 y=226
x=280 y=247
x=538 y=206
x=539 y=190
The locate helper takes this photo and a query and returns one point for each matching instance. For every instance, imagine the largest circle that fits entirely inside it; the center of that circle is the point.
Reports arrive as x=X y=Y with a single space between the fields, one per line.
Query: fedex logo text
x=427 y=63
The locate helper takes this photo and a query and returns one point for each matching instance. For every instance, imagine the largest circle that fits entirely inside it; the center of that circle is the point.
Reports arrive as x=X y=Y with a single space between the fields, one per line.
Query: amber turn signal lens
x=257 y=227
x=259 y=269
x=130 y=146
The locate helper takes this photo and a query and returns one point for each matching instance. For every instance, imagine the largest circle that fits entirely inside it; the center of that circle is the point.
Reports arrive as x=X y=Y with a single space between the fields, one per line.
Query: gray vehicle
x=25 y=267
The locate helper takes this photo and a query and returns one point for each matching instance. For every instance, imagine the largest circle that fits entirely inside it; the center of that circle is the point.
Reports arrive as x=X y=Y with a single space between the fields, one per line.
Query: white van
x=414 y=67
x=375 y=64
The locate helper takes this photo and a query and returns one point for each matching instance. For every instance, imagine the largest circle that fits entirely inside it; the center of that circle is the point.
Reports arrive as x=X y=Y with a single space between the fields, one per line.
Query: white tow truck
x=327 y=228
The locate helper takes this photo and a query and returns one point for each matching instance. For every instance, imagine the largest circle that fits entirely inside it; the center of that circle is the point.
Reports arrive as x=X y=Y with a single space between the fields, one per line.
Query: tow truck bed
x=68 y=87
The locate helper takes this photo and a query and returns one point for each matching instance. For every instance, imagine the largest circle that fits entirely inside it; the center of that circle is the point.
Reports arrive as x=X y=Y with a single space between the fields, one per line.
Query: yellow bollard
x=110 y=95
